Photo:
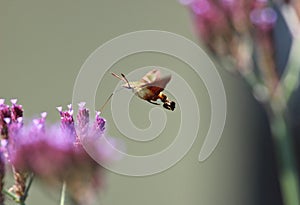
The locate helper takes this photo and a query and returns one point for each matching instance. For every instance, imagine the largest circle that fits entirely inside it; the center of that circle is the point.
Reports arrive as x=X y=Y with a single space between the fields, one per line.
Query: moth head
x=127 y=86
x=123 y=78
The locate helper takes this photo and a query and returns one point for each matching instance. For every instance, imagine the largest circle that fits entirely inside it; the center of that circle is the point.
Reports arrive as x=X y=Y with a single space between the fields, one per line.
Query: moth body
x=150 y=88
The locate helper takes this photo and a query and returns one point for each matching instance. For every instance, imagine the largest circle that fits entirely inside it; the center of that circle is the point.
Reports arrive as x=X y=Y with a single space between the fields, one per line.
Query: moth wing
x=158 y=85
x=151 y=76
x=135 y=84
x=139 y=84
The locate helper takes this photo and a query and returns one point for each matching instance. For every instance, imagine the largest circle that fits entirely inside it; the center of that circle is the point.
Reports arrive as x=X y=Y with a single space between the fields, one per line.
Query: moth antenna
x=118 y=76
x=108 y=99
x=125 y=80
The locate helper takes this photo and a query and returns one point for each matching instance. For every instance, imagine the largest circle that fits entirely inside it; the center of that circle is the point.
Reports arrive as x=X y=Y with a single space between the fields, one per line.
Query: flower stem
x=63 y=193
x=31 y=178
x=288 y=177
x=11 y=195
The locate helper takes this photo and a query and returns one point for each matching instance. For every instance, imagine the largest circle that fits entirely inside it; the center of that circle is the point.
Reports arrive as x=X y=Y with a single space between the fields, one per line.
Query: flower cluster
x=54 y=153
x=259 y=39
x=231 y=27
x=240 y=35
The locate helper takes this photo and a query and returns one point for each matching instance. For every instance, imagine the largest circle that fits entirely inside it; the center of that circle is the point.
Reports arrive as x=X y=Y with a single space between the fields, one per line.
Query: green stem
x=11 y=195
x=31 y=178
x=63 y=193
x=22 y=202
x=288 y=177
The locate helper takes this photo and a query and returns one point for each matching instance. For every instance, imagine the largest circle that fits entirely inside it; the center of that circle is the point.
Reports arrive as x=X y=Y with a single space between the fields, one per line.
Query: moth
x=150 y=88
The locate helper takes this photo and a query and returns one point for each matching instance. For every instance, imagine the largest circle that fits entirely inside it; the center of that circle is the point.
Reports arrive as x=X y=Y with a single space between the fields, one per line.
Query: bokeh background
x=43 y=44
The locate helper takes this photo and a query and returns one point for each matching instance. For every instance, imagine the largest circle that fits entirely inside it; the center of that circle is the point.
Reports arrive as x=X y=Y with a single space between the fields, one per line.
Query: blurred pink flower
x=56 y=153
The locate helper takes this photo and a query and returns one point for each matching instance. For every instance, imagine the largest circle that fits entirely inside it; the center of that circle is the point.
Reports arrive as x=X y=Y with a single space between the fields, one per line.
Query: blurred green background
x=43 y=44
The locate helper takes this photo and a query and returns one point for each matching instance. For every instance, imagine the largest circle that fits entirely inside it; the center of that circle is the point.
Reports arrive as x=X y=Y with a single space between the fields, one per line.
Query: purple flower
x=67 y=121
x=225 y=25
x=5 y=115
x=263 y=18
x=99 y=124
x=11 y=124
x=57 y=152
x=82 y=120
x=44 y=152
x=54 y=153
x=16 y=110
x=86 y=130
x=202 y=7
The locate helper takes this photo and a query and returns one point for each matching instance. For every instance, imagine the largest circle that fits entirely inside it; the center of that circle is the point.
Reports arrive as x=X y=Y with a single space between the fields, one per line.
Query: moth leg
x=153 y=102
